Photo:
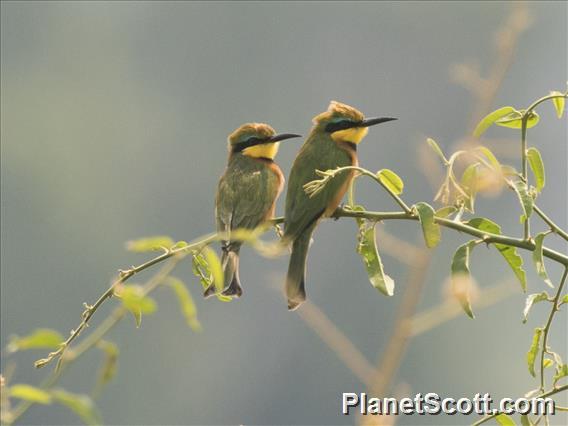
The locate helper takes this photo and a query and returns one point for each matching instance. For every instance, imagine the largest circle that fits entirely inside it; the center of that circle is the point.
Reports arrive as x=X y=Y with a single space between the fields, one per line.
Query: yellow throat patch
x=265 y=150
x=355 y=135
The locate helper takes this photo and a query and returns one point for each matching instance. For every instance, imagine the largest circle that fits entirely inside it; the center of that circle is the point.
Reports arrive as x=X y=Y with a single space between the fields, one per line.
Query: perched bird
x=247 y=192
x=331 y=143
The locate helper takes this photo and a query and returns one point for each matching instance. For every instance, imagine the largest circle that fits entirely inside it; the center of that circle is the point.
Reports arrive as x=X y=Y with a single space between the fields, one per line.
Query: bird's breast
x=279 y=177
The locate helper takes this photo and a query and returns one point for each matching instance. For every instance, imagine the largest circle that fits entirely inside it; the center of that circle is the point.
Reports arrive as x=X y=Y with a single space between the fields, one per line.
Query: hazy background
x=114 y=125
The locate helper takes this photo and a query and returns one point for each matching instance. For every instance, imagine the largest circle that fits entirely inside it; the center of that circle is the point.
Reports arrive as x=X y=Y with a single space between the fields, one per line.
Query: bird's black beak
x=372 y=121
x=281 y=137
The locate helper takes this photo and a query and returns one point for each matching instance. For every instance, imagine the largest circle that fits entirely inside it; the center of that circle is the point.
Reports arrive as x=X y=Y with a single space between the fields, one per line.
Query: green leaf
x=485 y=225
x=539 y=260
x=524 y=198
x=186 y=302
x=41 y=338
x=29 y=393
x=537 y=167
x=558 y=103
x=110 y=362
x=564 y=299
x=469 y=177
x=367 y=249
x=446 y=211
x=430 y=229
x=505 y=420
x=468 y=182
x=150 y=244
x=215 y=267
x=490 y=157
x=461 y=278
x=180 y=244
x=533 y=351
x=436 y=148
x=391 y=180
x=135 y=301
x=514 y=120
x=81 y=405
x=515 y=261
x=509 y=253
x=202 y=269
x=547 y=363
x=525 y=420
x=490 y=118
x=562 y=371
x=531 y=300
x=137 y=317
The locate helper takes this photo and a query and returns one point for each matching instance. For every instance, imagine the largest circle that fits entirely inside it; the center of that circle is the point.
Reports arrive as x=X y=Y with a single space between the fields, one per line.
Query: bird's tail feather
x=232 y=284
x=295 y=281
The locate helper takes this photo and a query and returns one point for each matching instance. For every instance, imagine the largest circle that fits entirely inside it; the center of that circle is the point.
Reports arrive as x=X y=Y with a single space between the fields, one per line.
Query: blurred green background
x=114 y=118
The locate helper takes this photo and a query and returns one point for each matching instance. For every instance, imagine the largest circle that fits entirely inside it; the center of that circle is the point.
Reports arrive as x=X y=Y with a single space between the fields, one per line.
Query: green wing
x=318 y=153
x=245 y=194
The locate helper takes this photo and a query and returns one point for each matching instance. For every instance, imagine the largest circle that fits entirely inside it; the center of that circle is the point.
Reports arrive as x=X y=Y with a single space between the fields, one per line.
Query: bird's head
x=257 y=140
x=345 y=123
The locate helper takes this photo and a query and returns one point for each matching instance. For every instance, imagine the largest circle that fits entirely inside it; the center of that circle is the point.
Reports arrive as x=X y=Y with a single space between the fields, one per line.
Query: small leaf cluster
x=80 y=404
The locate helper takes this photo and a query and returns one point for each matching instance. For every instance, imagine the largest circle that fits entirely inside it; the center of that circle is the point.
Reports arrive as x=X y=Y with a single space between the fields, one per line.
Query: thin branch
x=390 y=362
x=433 y=317
x=542 y=395
x=338 y=342
x=394 y=246
x=524 y=157
x=487 y=237
x=120 y=311
x=524 y=165
x=553 y=227
x=72 y=354
x=329 y=174
x=485 y=89
x=544 y=99
x=124 y=275
x=553 y=310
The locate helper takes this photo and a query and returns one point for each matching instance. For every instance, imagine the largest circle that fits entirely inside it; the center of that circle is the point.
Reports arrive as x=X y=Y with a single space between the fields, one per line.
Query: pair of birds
x=252 y=182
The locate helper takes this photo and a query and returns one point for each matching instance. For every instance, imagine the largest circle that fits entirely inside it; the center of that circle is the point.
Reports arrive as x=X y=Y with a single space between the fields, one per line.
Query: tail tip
x=294 y=304
x=209 y=291
x=297 y=297
x=232 y=293
x=234 y=289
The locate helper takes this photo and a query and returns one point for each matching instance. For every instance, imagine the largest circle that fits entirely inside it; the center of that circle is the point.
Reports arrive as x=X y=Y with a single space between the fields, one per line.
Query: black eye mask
x=340 y=125
x=238 y=147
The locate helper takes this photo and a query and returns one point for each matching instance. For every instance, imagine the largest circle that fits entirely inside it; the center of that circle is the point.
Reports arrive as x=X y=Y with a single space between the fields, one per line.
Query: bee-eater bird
x=331 y=143
x=247 y=192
